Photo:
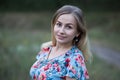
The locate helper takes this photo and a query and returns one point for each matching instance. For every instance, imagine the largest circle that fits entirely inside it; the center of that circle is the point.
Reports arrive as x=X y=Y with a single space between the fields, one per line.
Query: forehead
x=67 y=18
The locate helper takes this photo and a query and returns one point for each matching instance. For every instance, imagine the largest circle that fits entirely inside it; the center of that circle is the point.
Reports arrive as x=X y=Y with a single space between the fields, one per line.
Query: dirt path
x=109 y=55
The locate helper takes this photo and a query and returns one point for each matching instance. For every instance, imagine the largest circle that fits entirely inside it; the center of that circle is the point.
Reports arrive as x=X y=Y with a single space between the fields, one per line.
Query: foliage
x=50 y=5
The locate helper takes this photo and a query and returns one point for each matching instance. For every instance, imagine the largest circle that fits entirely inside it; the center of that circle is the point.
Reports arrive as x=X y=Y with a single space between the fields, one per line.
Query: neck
x=63 y=46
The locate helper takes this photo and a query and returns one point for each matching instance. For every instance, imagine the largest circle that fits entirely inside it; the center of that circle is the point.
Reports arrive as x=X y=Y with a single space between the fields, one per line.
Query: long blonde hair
x=82 y=42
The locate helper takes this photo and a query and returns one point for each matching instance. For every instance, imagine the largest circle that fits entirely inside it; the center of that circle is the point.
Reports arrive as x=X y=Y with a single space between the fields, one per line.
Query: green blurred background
x=25 y=24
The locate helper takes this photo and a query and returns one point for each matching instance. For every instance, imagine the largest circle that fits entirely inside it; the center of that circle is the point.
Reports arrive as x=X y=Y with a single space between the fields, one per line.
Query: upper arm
x=76 y=68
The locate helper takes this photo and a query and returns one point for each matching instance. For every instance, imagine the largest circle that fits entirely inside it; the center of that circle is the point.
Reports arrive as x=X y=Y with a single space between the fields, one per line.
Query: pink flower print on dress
x=36 y=65
x=55 y=65
x=86 y=74
x=72 y=69
x=58 y=69
x=42 y=76
x=46 y=49
x=67 y=62
x=34 y=77
x=80 y=60
x=47 y=66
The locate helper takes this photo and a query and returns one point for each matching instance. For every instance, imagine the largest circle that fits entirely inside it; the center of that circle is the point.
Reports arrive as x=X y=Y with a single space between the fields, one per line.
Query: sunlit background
x=25 y=24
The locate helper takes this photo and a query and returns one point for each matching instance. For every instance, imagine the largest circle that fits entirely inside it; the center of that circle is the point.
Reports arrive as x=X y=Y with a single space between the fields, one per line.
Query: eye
x=58 y=24
x=69 y=27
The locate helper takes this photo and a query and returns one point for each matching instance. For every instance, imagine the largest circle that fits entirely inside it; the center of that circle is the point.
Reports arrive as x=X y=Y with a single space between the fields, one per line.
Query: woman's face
x=65 y=29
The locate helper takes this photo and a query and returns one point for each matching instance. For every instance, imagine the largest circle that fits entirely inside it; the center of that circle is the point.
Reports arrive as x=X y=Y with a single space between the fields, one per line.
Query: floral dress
x=71 y=64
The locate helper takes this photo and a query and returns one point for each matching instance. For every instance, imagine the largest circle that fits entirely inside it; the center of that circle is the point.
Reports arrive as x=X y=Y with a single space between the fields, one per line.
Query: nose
x=62 y=30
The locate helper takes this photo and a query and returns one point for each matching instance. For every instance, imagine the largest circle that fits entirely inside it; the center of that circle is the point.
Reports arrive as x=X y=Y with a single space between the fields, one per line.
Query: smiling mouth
x=60 y=37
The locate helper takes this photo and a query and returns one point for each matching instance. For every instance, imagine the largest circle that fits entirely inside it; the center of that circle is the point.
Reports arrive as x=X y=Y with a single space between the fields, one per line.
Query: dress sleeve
x=76 y=68
x=43 y=52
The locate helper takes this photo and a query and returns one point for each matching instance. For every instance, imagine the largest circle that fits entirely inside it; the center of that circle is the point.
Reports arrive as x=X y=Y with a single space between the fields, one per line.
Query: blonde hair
x=82 y=43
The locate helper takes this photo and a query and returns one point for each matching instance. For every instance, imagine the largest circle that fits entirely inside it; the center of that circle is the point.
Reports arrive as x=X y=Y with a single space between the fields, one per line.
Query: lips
x=60 y=37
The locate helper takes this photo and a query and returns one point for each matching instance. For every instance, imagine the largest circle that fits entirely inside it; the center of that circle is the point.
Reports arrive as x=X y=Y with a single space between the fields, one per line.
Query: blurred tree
x=38 y=5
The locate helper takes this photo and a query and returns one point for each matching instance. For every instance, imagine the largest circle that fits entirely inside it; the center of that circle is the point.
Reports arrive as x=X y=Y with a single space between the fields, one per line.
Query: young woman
x=64 y=58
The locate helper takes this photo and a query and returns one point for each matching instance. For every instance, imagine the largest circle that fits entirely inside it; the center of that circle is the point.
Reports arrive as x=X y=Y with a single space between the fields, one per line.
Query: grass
x=100 y=70
x=20 y=41
x=107 y=39
x=17 y=52
x=104 y=28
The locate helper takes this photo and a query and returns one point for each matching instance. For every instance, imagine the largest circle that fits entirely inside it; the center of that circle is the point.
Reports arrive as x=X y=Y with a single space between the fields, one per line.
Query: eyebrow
x=67 y=23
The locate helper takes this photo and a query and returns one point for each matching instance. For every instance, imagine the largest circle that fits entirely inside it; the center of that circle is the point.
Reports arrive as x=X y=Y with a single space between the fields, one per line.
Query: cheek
x=55 y=30
x=74 y=34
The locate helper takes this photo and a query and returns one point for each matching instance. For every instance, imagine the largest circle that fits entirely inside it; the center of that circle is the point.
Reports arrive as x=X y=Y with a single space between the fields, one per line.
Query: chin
x=62 y=42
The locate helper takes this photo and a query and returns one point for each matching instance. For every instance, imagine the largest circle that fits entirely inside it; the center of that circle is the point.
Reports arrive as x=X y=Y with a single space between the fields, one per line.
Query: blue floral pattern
x=71 y=64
